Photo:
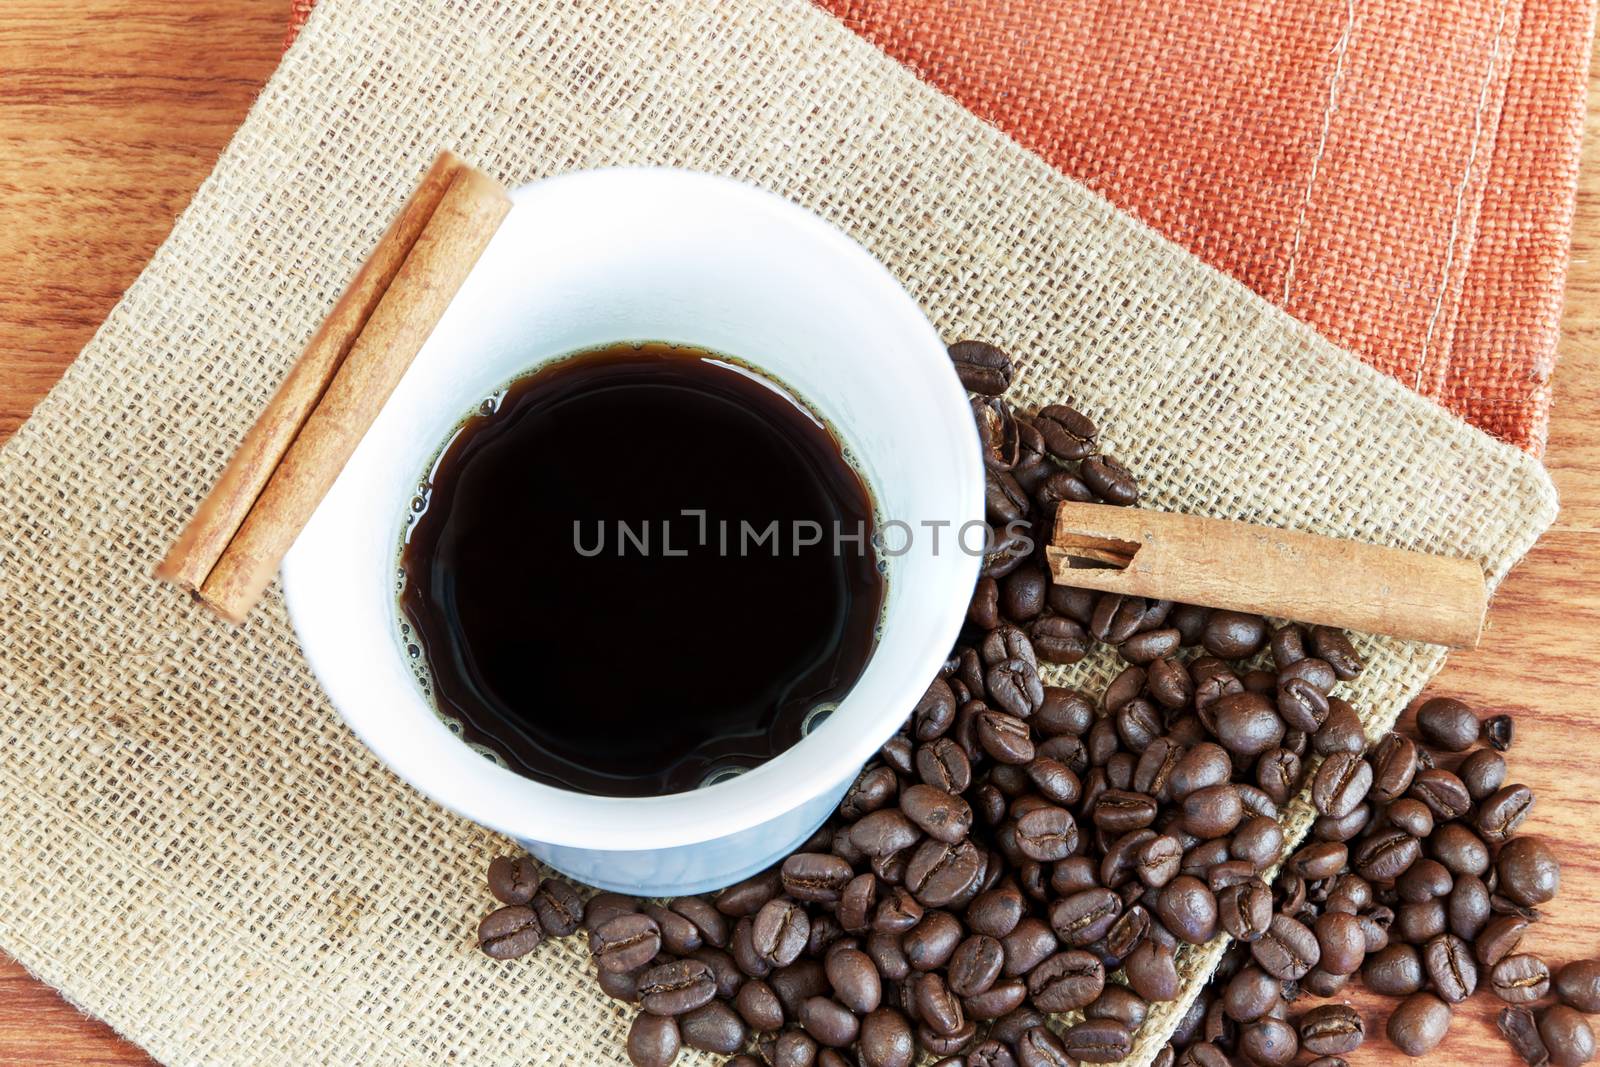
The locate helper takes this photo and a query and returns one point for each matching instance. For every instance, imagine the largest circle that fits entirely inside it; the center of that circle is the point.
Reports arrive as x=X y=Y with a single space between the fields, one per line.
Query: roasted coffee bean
x=1084 y=917
x=1206 y=764
x=1064 y=711
x=747 y=897
x=1159 y=860
x=1348 y=828
x=1117 y=811
x=1386 y=855
x=679 y=936
x=1566 y=1035
x=1047 y=834
x=1418 y=1024
x=1150 y=646
x=1098 y=1041
x=983 y=610
x=1482 y=772
x=1395 y=971
x=1444 y=793
x=1578 y=984
x=1319 y=860
x=1412 y=816
x=1498 y=731
x=1004 y=737
x=626 y=942
x=1467 y=910
x=1138 y=723
x=887 y=955
x=1245 y=910
x=1119 y=1003
x=1502 y=812
x=1341 y=942
x=1447 y=724
x=999 y=999
x=676 y=988
x=1110 y=480
x=1213 y=811
x=793 y=1048
x=1269 y=1042
x=723 y=968
x=937 y=1008
x=930 y=944
x=779 y=932
x=990 y=1053
x=935 y=713
x=884 y=832
x=1459 y=849
x=982 y=367
x=559 y=907
x=620 y=985
x=1066 y=981
x=1448 y=961
x=828 y=1022
x=1188 y=909
x=941 y=815
x=511 y=931
x=759 y=1006
x=1038 y=1047
x=1424 y=880
x=1394 y=765
x=1529 y=873
x=1341 y=783
x=1004 y=500
x=1419 y=923
x=1499 y=939
x=1022 y=594
x=856 y=903
x=1128 y=932
x=1288 y=950
x=1029 y=943
x=854 y=979
x=710 y=923
x=653 y=1041
x=873 y=789
x=938 y=873
x=1054 y=780
x=886 y=1040
x=1247 y=724
x=1250 y=994
x=1234 y=634
x=1069 y=435
x=1014 y=687
x=1341 y=730
x=975 y=965
x=715 y=1027
x=1520 y=979
x=897 y=912
x=1331 y=1030
x=1058 y=639
x=514 y=879
x=1522 y=1034
x=1152 y=971
x=996 y=911
x=1333 y=647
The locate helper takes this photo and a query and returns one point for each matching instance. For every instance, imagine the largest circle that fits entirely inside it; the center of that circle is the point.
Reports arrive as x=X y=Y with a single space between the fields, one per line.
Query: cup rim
x=531 y=810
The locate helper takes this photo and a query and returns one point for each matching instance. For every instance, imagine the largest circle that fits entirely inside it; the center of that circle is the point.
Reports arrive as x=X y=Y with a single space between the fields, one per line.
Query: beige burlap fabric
x=194 y=848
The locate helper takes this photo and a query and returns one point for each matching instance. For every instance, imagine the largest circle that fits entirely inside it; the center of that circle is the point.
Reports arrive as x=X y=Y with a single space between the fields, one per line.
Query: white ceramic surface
x=602 y=256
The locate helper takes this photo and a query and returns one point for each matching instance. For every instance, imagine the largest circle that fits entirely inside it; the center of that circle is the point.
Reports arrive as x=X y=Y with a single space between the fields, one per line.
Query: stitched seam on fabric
x=1335 y=80
x=1461 y=195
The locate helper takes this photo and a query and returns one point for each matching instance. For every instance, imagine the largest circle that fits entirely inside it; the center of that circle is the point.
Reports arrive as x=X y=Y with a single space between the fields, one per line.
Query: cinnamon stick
x=1282 y=573
x=233 y=545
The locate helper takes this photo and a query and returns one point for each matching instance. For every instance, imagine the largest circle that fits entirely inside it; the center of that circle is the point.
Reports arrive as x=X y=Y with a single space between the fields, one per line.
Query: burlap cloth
x=194 y=848
x=1400 y=174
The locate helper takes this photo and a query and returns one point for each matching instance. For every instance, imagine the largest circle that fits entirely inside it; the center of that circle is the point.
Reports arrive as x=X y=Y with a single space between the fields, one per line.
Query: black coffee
x=645 y=565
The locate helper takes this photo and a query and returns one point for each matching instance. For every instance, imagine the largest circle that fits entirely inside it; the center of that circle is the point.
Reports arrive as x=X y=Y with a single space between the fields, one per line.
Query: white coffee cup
x=594 y=258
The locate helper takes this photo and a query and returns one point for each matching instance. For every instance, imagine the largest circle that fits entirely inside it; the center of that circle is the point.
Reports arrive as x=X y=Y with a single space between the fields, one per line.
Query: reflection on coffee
x=640 y=567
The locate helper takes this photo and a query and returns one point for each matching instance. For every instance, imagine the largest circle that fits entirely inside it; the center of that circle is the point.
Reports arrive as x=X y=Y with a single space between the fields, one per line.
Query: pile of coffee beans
x=1019 y=850
x=1413 y=877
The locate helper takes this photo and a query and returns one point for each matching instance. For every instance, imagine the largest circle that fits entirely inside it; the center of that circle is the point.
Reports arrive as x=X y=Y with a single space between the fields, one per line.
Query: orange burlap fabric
x=1400 y=174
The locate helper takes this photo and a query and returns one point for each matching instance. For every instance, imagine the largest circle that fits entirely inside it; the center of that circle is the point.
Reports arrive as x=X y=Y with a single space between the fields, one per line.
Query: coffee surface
x=644 y=565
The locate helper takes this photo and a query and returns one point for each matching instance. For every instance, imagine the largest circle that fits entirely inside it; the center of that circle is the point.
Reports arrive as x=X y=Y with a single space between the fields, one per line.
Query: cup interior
x=591 y=259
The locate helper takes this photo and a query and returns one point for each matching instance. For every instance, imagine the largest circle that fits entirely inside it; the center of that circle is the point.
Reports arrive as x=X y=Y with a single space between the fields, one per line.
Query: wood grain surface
x=111 y=113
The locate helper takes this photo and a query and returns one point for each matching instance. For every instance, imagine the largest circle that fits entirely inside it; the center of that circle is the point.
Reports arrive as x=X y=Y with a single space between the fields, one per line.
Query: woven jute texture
x=1398 y=173
x=194 y=848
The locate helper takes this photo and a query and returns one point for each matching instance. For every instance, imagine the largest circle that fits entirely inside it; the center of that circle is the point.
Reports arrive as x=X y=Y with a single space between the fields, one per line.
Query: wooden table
x=111 y=113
